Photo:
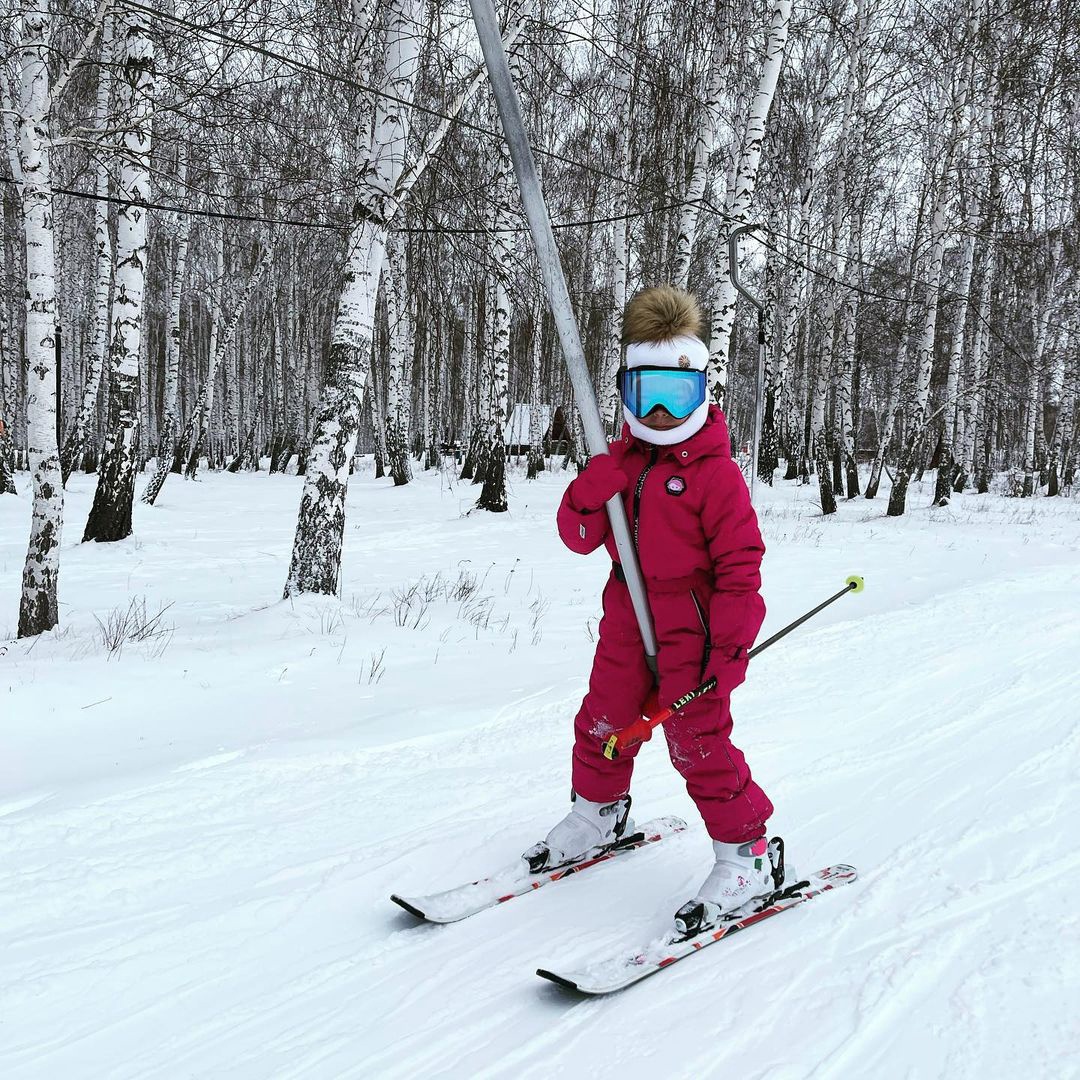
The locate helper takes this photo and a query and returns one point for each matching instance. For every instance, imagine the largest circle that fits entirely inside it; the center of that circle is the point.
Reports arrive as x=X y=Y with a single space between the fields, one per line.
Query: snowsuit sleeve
x=581 y=530
x=735 y=547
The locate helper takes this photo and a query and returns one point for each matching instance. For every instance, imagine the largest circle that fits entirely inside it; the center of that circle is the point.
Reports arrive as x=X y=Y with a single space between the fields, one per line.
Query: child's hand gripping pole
x=652 y=715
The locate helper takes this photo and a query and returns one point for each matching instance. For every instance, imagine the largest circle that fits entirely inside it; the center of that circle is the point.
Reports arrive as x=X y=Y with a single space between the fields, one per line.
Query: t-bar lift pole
x=759 y=378
x=506 y=98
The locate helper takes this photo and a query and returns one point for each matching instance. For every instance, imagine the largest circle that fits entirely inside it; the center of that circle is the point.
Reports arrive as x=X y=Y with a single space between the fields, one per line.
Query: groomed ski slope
x=199 y=834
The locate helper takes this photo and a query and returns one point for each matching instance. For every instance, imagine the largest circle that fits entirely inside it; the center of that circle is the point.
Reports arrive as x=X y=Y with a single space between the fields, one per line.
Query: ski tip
x=568 y=984
x=407 y=906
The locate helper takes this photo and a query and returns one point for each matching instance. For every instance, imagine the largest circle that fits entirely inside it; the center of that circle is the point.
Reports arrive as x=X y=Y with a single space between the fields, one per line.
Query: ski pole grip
x=638 y=732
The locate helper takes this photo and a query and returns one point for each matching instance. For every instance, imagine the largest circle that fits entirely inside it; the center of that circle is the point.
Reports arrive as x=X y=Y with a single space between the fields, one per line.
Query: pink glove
x=728 y=672
x=601 y=480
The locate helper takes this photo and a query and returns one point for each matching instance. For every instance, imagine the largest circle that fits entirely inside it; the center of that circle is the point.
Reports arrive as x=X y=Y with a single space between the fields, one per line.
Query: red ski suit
x=700 y=551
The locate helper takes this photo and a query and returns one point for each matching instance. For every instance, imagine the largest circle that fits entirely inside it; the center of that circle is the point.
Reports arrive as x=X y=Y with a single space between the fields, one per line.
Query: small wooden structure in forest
x=518 y=431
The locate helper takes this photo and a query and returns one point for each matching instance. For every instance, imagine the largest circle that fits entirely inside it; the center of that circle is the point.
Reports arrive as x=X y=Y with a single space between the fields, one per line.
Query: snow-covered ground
x=199 y=831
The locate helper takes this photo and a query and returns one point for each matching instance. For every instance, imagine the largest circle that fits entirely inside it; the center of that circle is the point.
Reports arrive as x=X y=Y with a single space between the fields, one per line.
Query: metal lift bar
x=506 y=98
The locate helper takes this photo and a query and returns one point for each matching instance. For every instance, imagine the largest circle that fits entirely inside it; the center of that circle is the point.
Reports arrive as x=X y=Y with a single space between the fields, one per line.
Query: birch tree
x=110 y=515
x=741 y=191
x=38 y=605
x=315 y=565
x=75 y=443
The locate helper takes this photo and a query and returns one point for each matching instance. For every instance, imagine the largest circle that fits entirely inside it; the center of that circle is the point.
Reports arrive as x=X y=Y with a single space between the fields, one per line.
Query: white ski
x=615 y=973
x=515 y=880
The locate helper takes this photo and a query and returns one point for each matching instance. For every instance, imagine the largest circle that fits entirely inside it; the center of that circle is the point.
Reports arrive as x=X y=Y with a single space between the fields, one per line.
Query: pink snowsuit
x=700 y=552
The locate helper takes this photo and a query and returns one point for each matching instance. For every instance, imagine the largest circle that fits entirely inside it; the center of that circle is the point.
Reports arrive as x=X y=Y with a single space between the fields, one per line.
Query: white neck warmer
x=681 y=352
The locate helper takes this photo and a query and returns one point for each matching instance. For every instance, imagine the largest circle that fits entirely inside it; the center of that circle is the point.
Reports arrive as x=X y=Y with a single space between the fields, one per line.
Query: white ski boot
x=589 y=829
x=741 y=873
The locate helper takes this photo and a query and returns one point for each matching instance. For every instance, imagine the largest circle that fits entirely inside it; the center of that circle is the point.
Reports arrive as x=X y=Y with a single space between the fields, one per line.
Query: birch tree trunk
x=315 y=565
x=38 y=604
x=704 y=149
x=537 y=430
x=10 y=387
x=399 y=368
x=493 y=495
x=110 y=516
x=956 y=120
x=948 y=468
x=610 y=413
x=170 y=421
x=378 y=422
x=470 y=364
x=971 y=406
x=221 y=343
x=742 y=192
x=797 y=297
x=1042 y=311
x=75 y=443
x=1068 y=426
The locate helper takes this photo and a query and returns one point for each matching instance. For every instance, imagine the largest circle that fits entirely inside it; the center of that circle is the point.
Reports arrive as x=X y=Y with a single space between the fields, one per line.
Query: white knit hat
x=661 y=326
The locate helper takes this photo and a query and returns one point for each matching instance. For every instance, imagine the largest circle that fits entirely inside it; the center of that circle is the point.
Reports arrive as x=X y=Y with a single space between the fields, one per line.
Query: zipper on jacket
x=637 y=492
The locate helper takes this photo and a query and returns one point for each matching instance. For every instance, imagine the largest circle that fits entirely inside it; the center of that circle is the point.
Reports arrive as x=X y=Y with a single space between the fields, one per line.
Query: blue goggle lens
x=676 y=389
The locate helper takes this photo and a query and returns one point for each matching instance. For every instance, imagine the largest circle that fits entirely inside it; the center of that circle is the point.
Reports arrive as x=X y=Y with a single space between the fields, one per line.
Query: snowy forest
x=306 y=607
x=265 y=236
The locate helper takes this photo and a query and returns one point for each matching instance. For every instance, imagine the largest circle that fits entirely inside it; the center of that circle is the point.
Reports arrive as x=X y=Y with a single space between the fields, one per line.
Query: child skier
x=700 y=552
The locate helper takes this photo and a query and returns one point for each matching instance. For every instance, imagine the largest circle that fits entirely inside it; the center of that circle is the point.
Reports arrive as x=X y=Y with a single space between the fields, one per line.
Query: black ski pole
x=653 y=715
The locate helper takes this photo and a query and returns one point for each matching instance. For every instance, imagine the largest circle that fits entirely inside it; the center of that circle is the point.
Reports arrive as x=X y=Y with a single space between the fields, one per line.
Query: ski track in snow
x=194 y=874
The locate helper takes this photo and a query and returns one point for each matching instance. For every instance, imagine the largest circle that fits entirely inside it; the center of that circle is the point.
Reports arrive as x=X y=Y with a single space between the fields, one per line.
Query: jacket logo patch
x=676 y=485
x=684 y=361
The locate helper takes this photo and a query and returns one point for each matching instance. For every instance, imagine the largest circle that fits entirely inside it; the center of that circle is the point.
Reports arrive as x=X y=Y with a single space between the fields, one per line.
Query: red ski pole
x=653 y=715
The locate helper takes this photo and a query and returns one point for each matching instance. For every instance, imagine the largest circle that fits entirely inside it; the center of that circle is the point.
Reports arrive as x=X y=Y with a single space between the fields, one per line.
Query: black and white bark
x=400 y=362
x=222 y=338
x=110 y=515
x=38 y=610
x=170 y=420
x=741 y=191
x=537 y=432
x=75 y=442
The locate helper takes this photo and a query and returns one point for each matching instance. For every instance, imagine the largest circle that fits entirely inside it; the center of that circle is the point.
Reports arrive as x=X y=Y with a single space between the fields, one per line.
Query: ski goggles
x=678 y=390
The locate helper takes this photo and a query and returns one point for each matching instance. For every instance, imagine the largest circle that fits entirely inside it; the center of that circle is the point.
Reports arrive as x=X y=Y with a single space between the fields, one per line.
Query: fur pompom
x=660 y=314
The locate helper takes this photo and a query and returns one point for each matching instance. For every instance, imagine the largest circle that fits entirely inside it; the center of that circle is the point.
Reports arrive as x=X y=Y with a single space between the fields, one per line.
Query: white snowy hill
x=199 y=831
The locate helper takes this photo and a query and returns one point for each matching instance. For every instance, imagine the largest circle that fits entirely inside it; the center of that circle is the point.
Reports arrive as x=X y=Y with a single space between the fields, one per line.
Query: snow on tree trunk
x=110 y=515
x=741 y=194
x=75 y=443
x=38 y=604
